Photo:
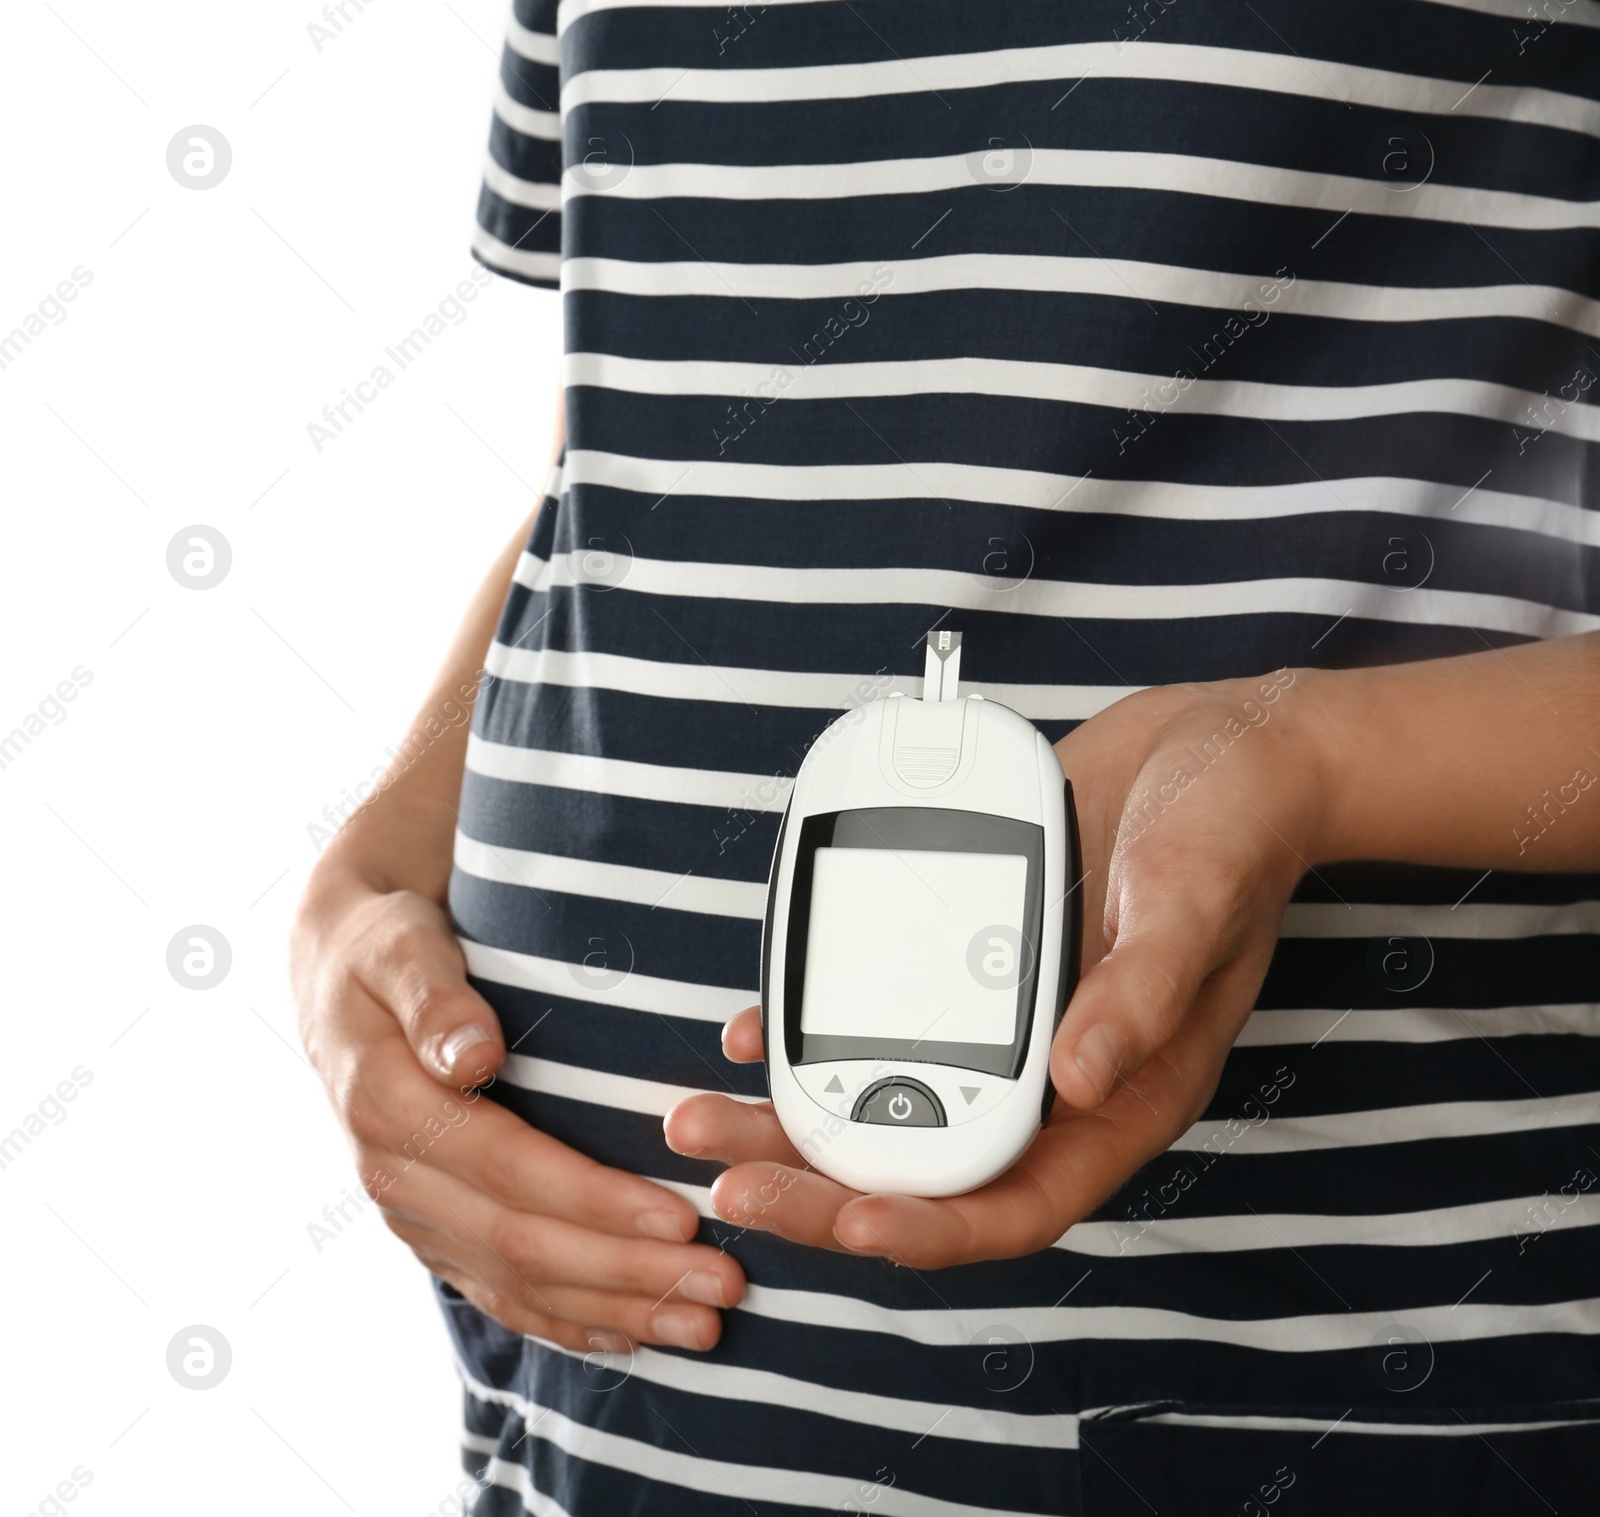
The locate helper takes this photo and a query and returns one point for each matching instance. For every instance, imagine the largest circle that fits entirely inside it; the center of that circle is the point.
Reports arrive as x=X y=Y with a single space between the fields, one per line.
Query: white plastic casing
x=970 y=755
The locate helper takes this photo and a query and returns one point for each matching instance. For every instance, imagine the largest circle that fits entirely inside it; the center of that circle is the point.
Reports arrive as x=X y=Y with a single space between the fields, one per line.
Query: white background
x=219 y=723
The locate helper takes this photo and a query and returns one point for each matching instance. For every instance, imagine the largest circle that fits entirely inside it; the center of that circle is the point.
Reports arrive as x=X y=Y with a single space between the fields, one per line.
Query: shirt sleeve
x=519 y=206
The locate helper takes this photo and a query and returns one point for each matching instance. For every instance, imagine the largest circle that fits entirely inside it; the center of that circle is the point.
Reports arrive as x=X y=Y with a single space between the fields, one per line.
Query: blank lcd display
x=914 y=944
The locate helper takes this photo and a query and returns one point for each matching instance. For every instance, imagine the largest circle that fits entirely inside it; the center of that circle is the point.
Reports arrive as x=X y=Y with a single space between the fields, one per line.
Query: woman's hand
x=533 y=1233
x=1199 y=806
x=543 y=1239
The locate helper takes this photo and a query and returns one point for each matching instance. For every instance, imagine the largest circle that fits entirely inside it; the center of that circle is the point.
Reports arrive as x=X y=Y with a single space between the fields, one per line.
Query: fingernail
x=871 y=1246
x=867 y=1240
x=452 y=1047
x=1099 y=1055
x=704 y=1286
x=661 y=1224
x=687 y=1153
x=680 y=1328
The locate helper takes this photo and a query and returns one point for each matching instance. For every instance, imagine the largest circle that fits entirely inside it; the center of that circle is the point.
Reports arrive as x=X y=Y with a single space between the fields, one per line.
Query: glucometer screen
x=912 y=934
x=914 y=946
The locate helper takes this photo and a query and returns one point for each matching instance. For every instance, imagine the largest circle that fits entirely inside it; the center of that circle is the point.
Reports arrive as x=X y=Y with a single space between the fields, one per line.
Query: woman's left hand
x=1199 y=806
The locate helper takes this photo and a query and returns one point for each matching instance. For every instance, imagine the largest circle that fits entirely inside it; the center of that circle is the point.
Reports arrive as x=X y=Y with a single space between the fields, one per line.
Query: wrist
x=400 y=838
x=1331 y=759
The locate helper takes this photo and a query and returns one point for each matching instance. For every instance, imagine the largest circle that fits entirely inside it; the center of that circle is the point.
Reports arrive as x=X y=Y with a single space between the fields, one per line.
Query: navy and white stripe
x=1161 y=343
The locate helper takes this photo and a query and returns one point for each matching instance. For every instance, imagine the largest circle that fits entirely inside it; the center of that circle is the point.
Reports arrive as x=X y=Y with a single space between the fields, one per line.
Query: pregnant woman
x=1225 y=374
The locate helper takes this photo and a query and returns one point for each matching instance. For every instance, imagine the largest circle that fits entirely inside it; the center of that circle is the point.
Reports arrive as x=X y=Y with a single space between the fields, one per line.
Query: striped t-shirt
x=1146 y=343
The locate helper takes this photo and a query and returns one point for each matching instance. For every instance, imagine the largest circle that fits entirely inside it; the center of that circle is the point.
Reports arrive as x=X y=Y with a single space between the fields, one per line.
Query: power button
x=899 y=1102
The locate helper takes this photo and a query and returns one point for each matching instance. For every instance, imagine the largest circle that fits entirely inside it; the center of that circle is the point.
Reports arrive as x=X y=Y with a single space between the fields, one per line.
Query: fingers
x=1026 y=1209
x=672 y=1317
x=732 y=1132
x=769 y=1185
x=529 y=1171
x=539 y=1236
x=1134 y=1000
x=1077 y=1161
x=400 y=1119
x=741 y=1037
x=411 y=962
x=569 y=1335
x=796 y=1204
x=550 y=1252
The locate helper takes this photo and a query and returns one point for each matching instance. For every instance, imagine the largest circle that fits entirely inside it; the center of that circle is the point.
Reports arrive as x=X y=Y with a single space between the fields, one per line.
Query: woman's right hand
x=541 y=1238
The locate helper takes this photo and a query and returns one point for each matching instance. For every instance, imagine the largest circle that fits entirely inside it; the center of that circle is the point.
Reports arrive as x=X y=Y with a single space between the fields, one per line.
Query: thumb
x=418 y=972
x=1134 y=1000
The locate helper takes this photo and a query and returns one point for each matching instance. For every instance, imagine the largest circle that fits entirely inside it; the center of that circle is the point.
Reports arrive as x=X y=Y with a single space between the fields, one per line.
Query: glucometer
x=921 y=939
